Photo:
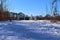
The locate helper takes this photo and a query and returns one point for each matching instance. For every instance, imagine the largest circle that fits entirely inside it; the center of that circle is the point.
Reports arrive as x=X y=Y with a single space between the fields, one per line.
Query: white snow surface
x=28 y=30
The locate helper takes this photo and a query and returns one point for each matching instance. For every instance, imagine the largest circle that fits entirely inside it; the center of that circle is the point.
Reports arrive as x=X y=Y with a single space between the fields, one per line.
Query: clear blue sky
x=28 y=7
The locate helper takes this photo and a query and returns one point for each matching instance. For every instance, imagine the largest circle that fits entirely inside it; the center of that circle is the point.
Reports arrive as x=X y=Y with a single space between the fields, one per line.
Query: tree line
x=7 y=15
x=21 y=16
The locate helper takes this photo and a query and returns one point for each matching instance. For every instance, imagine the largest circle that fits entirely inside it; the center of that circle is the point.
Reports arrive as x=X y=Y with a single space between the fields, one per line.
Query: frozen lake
x=29 y=30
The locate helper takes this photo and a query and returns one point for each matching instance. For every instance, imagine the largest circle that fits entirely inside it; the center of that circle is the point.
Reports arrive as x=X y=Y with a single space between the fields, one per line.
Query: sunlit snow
x=29 y=30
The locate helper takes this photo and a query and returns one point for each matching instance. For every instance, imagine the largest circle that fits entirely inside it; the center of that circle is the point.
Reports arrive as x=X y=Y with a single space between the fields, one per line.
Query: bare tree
x=2 y=5
x=3 y=12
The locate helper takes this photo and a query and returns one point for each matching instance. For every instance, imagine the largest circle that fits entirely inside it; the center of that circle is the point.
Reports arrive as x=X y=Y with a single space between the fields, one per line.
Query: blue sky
x=28 y=7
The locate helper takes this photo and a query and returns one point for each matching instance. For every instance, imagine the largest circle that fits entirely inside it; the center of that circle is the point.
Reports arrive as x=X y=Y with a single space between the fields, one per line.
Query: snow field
x=28 y=30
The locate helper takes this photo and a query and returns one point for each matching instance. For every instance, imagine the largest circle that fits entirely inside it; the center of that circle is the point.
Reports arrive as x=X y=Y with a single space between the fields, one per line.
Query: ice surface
x=29 y=30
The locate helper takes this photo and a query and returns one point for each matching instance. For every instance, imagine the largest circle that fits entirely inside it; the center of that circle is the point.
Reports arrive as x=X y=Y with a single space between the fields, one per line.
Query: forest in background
x=7 y=15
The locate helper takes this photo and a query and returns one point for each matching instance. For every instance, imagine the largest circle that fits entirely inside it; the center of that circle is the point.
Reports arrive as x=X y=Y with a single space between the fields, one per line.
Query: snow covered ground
x=29 y=30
